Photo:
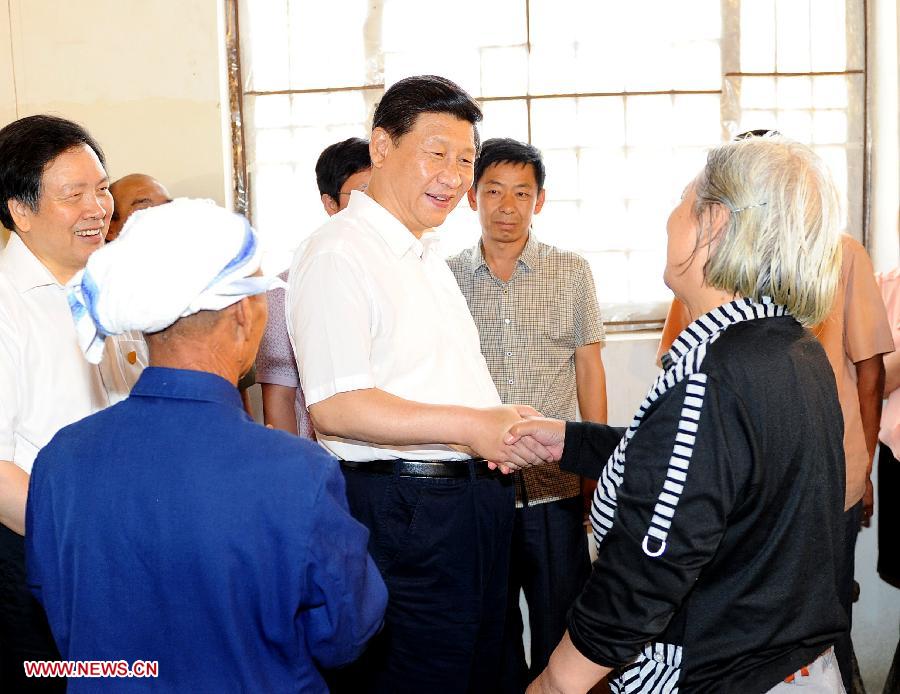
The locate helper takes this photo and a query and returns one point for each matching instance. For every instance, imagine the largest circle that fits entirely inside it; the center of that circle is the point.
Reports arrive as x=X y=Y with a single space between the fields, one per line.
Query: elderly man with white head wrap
x=171 y=527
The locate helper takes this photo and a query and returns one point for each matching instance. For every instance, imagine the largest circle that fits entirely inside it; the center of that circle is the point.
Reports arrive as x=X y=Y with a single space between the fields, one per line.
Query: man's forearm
x=13 y=494
x=590 y=383
x=374 y=416
x=870 y=388
x=278 y=407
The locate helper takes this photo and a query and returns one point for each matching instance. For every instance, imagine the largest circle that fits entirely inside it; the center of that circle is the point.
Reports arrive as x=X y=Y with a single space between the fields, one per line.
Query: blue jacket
x=172 y=528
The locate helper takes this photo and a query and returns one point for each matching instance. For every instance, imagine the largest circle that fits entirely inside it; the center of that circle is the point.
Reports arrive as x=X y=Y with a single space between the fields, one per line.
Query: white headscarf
x=169 y=262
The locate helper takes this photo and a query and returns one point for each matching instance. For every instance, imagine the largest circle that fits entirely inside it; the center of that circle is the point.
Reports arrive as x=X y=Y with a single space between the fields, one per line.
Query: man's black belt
x=423 y=468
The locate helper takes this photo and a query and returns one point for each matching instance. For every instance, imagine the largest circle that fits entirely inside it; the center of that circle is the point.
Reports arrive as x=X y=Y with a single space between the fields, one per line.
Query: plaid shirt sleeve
x=588 y=322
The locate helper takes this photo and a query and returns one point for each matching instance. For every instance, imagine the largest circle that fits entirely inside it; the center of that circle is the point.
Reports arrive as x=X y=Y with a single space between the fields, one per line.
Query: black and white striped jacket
x=737 y=442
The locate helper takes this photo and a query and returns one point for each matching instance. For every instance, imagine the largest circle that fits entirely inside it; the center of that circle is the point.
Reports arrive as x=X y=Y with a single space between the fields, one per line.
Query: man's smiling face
x=72 y=214
x=428 y=170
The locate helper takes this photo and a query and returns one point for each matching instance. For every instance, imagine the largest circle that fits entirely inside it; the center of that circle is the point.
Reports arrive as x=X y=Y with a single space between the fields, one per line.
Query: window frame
x=241 y=191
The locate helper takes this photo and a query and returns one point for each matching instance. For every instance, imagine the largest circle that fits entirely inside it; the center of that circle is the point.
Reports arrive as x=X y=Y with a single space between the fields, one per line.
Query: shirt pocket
x=559 y=321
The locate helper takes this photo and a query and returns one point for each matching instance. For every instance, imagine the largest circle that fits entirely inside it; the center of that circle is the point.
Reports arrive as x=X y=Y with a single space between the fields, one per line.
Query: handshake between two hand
x=513 y=437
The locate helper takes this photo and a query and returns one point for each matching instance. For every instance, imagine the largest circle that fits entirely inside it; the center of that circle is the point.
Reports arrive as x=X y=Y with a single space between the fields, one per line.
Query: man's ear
x=540 y=200
x=473 y=198
x=330 y=204
x=243 y=318
x=379 y=145
x=21 y=214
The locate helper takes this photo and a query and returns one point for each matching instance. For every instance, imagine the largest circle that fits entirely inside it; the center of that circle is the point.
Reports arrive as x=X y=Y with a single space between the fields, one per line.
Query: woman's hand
x=545 y=438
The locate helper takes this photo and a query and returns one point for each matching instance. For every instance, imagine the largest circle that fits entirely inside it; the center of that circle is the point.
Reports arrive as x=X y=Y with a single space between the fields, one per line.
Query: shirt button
x=510 y=381
x=506 y=320
x=659 y=658
x=509 y=354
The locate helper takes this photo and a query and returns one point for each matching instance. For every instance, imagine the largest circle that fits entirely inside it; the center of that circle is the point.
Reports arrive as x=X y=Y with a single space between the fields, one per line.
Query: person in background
x=341 y=168
x=171 y=527
x=54 y=197
x=130 y=193
x=719 y=513
x=546 y=356
x=889 y=458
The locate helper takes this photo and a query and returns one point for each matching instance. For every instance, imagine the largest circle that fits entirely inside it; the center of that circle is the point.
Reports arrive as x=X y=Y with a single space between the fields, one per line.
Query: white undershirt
x=371 y=306
x=45 y=381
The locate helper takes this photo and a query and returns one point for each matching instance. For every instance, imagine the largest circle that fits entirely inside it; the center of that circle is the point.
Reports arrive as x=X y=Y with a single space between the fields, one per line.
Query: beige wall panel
x=143 y=77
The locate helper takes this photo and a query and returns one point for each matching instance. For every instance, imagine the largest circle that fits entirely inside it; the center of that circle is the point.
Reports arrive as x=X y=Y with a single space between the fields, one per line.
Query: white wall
x=143 y=77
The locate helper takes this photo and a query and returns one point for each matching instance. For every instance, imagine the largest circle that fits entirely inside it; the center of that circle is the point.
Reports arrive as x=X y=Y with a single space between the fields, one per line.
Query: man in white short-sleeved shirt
x=397 y=388
x=54 y=197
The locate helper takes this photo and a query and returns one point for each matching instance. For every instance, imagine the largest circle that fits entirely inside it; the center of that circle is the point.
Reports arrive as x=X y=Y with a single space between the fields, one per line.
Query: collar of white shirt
x=391 y=230
x=23 y=268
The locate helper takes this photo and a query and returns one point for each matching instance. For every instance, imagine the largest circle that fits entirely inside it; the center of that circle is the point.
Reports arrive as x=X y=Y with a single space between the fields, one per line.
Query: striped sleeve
x=682 y=475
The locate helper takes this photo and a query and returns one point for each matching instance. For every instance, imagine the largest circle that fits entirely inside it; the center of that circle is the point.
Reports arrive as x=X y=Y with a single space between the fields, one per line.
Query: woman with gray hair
x=718 y=514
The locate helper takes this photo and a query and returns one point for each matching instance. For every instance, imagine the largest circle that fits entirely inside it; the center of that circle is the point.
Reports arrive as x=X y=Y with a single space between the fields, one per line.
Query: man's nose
x=450 y=174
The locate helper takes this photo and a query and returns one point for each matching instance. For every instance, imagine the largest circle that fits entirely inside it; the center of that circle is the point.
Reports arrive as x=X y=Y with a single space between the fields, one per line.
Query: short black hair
x=409 y=98
x=505 y=150
x=27 y=147
x=340 y=161
x=760 y=132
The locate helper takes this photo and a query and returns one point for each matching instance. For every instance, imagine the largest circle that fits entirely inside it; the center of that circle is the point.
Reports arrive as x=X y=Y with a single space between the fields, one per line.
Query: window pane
x=828 y=35
x=265 y=63
x=611 y=278
x=600 y=176
x=289 y=133
x=676 y=47
x=505 y=119
x=758 y=92
x=616 y=168
x=604 y=225
x=601 y=122
x=793 y=92
x=757 y=36
x=460 y=65
x=616 y=164
x=792 y=35
x=553 y=69
x=648 y=120
x=554 y=123
x=558 y=223
x=322 y=57
x=504 y=71
x=562 y=174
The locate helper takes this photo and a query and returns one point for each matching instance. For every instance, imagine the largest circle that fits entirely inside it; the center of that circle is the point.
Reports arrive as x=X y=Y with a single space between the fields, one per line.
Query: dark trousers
x=888 y=516
x=843 y=646
x=888 y=553
x=550 y=564
x=442 y=546
x=24 y=632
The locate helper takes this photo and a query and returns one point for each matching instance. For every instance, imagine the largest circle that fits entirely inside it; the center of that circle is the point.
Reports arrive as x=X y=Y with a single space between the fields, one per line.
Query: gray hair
x=781 y=238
